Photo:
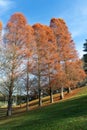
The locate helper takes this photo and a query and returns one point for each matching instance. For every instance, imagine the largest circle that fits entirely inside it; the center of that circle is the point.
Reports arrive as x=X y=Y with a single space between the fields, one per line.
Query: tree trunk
x=61 y=93
x=40 y=97
x=39 y=76
x=27 y=103
x=69 y=90
x=51 y=91
x=51 y=95
x=27 y=87
x=39 y=87
x=9 y=108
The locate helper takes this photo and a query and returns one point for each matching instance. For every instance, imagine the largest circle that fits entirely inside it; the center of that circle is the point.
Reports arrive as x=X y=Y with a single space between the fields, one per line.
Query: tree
x=38 y=56
x=85 y=46
x=85 y=56
x=75 y=74
x=50 y=58
x=14 y=40
x=28 y=60
x=65 y=46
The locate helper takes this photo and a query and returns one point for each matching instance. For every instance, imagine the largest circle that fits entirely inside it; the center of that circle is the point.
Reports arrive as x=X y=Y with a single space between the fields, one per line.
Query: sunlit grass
x=68 y=114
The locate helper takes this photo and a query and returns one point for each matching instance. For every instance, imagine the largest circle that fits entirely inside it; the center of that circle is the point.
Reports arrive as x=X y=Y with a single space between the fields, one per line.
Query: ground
x=68 y=114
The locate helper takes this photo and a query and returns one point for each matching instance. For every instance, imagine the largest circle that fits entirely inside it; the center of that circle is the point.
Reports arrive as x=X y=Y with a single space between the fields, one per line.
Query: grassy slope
x=70 y=114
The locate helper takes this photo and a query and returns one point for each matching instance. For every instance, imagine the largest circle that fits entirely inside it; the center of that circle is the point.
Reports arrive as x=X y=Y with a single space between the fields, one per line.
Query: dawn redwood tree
x=46 y=53
x=14 y=40
x=28 y=60
x=43 y=41
x=65 y=45
x=80 y=73
x=38 y=56
x=75 y=74
x=50 y=58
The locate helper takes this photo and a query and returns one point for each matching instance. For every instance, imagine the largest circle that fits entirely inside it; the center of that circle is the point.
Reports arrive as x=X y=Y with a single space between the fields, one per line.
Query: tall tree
x=38 y=57
x=28 y=60
x=15 y=39
x=65 y=45
x=44 y=44
x=50 y=56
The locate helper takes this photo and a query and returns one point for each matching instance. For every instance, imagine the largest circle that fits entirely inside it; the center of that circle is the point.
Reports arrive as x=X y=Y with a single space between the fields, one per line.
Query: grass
x=70 y=114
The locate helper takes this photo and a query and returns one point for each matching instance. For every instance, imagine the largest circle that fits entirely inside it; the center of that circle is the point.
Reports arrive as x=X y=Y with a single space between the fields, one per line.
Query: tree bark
x=51 y=95
x=9 y=108
x=69 y=90
x=27 y=87
x=39 y=79
x=27 y=103
x=40 y=97
x=61 y=93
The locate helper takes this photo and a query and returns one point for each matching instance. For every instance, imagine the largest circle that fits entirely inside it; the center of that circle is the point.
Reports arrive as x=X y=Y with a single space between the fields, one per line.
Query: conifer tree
x=14 y=40
x=65 y=48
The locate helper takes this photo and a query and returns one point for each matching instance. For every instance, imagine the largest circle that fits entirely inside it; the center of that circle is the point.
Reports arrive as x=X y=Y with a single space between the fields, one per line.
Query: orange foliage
x=15 y=29
x=66 y=46
x=17 y=19
x=50 y=49
x=0 y=25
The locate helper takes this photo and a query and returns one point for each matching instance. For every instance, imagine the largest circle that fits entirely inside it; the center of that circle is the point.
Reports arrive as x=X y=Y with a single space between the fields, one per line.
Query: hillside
x=69 y=114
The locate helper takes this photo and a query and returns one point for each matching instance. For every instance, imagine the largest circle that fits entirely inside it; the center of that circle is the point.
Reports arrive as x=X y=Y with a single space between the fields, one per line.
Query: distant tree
x=85 y=46
x=85 y=56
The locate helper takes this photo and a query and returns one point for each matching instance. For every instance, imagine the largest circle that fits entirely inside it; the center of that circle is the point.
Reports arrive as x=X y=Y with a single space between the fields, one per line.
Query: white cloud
x=5 y=5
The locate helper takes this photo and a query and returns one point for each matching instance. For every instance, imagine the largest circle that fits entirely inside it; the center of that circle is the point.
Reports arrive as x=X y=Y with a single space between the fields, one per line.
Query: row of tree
x=44 y=53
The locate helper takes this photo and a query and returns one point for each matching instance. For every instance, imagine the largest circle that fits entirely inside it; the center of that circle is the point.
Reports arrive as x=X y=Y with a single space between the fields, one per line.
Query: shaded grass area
x=70 y=114
x=32 y=105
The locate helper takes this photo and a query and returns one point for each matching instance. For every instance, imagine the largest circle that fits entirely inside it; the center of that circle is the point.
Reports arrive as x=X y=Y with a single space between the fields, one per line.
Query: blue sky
x=74 y=12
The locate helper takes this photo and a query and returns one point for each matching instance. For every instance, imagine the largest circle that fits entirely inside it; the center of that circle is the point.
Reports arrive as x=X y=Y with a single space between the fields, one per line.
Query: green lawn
x=70 y=114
